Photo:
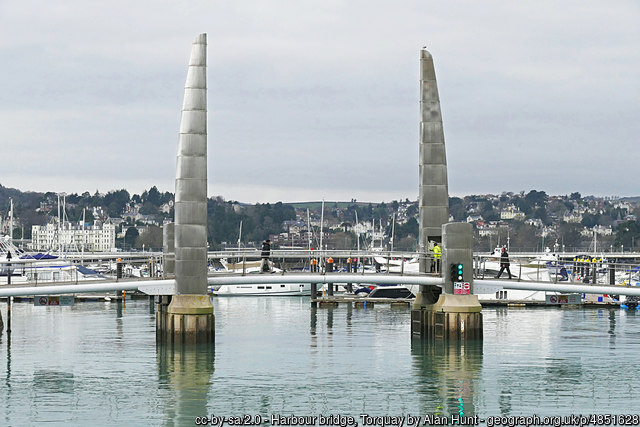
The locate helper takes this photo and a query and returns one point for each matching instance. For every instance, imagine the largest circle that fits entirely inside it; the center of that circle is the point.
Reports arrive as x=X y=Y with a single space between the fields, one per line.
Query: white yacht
x=253 y=267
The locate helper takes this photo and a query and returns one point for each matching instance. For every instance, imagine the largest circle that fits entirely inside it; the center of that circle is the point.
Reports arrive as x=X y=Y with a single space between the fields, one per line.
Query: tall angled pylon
x=434 y=193
x=436 y=314
x=191 y=178
x=189 y=318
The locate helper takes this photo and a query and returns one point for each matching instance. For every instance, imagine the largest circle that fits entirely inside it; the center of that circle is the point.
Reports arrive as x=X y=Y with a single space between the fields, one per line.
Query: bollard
x=612 y=274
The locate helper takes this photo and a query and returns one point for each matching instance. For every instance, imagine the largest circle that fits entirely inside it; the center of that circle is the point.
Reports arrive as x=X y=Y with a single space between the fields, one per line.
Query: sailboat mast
x=321 y=223
x=358 y=246
x=393 y=229
x=84 y=236
x=240 y=235
x=309 y=234
x=59 y=237
x=11 y=220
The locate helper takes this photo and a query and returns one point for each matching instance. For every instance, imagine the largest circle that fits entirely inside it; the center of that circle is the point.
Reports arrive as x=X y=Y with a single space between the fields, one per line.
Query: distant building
x=92 y=238
x=535 y=222
x=574 y=217
x=474 y=218
x=166 y=207
x=512 y=212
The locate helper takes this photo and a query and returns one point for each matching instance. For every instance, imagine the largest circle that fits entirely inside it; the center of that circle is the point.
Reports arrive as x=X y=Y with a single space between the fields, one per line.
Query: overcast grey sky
x=319 y=99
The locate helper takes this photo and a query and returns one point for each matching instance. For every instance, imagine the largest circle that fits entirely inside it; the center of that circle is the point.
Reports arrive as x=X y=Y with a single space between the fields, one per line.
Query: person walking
x=265 y=265
x=504 y=263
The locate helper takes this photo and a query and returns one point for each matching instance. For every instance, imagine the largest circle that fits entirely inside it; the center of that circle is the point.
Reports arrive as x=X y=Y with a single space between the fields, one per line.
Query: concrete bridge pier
x=456 y=315
x=188 y=318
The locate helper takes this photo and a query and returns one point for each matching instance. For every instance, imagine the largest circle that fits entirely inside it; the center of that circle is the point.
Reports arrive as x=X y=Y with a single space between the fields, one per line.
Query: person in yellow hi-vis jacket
x=437 y=254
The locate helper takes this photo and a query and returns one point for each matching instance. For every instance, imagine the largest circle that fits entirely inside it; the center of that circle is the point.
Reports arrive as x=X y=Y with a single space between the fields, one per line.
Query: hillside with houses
x=532 y=221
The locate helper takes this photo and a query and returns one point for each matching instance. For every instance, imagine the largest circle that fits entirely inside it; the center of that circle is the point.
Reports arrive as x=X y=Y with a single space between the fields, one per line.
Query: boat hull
x=278 y=289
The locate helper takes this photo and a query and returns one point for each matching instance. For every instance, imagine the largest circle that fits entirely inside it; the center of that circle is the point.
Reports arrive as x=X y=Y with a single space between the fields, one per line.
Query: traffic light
x=457 y=270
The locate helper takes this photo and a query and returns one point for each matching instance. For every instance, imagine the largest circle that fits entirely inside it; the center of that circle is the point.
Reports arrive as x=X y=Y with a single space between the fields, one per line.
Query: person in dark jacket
x=265 y=266
x=504 y=263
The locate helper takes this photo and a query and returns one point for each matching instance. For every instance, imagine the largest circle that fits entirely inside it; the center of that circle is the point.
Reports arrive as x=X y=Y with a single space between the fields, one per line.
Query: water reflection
x=447 y=374
x=612 y=329
x=330 y=320
x=187 y=373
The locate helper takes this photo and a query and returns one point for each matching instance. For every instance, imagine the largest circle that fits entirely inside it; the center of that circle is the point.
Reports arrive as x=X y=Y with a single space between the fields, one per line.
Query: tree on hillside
x=590 y=220
x=627 y=234
x=149 y=208
x=408 y=229
x=130 y=236
x=456 y=209
x=150 y=238
x=152 y=196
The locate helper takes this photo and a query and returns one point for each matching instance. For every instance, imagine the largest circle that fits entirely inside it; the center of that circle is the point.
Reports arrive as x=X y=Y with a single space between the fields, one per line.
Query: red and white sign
x=53 y=300
x=461 y=288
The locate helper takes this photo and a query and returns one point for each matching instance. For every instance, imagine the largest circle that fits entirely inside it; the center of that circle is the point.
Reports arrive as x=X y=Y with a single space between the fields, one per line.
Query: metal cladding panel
x=197 y=208
x=194 y=99
x=427 y=70
x=190 y=236
x=191 y=190
x=168 y=237
x=191 y=284
x=431 y=174
x=169 y=265
x=430 y=112
x=457 y=235
x=193 y=121
x=433 y=154
x=191 y=213
x=191 y=267
x=196 y=78
x=192 y=253
x=431 y=220
x=192 y=145
x=199 y=51
x=191 y=167
x=436 y=195
x=434 y=216
x=431 y=133
x=429 y=91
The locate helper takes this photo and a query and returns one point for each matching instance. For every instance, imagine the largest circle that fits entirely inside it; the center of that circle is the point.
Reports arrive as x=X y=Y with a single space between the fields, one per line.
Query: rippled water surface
x=97 y=364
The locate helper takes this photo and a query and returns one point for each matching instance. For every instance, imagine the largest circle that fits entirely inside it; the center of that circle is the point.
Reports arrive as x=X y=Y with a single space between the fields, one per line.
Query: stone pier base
x=185 y=319
x=452 y=317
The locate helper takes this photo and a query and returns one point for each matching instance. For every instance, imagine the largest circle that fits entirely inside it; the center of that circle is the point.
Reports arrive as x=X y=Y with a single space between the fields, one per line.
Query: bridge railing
x=71 y=269
x=544 y=268
x=323 y=261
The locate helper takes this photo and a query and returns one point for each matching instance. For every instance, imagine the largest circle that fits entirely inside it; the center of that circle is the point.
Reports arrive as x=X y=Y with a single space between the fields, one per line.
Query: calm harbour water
x=97 y=363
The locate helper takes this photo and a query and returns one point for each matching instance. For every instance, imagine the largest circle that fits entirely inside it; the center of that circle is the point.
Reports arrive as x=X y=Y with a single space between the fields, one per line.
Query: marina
x=137 y=309
x=279 y=356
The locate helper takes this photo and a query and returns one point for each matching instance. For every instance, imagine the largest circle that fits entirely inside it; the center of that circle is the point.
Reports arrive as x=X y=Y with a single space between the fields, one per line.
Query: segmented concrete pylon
x=434 y=193
x=191 y=178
